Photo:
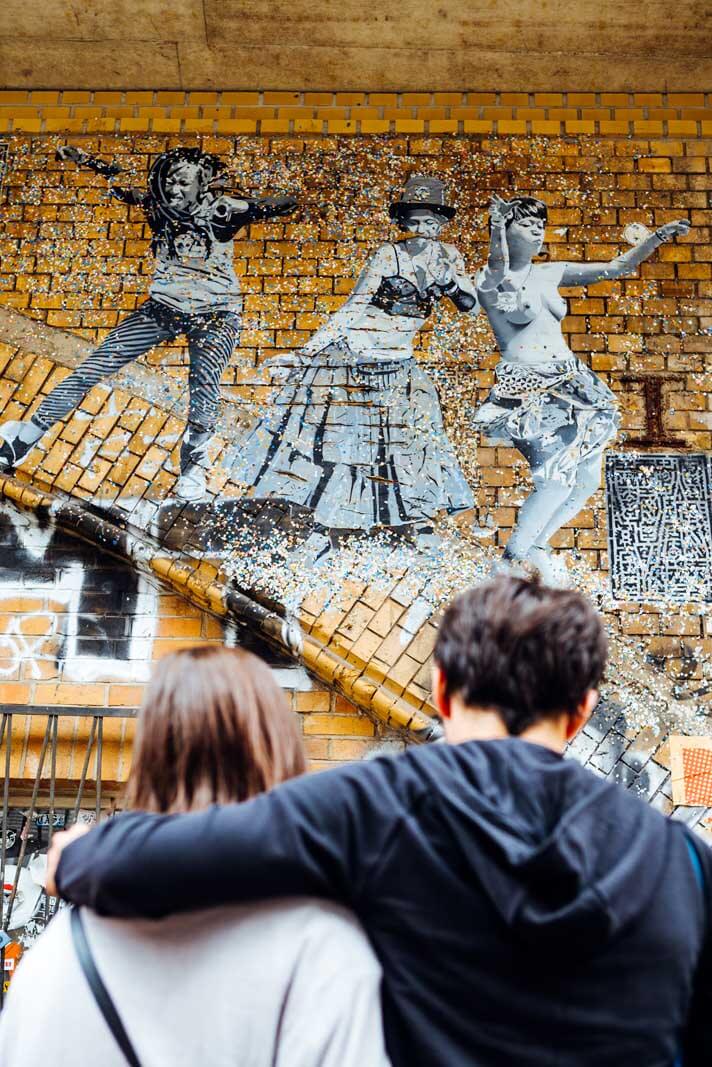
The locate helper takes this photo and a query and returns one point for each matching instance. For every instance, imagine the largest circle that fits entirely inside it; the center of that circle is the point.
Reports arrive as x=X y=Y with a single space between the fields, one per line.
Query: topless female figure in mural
x=545 y=401
x=355 y=433
x=194 y=292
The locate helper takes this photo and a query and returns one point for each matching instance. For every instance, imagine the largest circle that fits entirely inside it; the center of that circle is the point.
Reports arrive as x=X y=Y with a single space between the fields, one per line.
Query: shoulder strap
x=99 y=990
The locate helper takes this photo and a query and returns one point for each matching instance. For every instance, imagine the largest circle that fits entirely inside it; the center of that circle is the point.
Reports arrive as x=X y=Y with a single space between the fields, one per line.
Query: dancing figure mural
x=355 y=431
x=194 y=293
x=545 y=401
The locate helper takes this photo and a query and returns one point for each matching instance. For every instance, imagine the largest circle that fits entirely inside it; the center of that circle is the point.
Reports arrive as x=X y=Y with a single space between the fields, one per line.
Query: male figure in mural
x=355 y=433
x=545 y=401
x=194 y=292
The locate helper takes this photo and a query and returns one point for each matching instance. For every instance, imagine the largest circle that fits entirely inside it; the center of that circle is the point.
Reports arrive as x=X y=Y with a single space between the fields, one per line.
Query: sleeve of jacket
x=317 y=835
x=698 y=1036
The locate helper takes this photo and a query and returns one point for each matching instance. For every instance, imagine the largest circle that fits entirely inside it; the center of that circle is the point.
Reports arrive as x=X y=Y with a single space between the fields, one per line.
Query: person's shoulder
x=298 y=925
x=329 y=930
x=40 y=963
x=550 y=273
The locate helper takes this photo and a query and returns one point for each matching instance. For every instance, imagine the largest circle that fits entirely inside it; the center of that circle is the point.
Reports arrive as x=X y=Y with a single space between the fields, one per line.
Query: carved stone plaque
x=660 y=525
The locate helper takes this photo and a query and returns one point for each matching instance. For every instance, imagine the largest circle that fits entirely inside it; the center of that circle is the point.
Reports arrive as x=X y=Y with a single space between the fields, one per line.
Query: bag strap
x=99 y=990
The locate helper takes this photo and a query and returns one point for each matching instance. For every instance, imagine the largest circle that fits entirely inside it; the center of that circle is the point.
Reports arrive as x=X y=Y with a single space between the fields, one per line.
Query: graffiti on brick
x=660 y=526
x=64 y=607
x=346 y=431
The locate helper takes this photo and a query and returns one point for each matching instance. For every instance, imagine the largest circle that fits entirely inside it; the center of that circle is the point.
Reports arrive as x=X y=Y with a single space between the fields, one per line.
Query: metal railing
x=36 y=802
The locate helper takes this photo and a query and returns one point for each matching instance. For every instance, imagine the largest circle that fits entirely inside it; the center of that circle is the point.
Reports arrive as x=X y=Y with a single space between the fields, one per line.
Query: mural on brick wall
x=194 y=293
x=270 y=380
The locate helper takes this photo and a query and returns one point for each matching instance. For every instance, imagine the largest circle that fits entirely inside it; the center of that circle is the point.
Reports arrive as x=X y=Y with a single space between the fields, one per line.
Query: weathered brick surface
x=71 y=259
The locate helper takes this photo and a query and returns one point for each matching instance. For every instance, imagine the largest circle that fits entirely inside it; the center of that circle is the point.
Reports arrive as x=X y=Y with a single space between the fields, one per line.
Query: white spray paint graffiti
x=51 y=630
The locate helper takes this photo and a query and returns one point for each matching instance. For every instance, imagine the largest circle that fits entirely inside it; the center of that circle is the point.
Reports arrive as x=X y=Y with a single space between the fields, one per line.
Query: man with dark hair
x=525 y=911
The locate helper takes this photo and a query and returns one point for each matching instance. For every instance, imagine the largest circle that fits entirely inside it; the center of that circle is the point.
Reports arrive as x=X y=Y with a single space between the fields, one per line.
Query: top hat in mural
x=421 y=191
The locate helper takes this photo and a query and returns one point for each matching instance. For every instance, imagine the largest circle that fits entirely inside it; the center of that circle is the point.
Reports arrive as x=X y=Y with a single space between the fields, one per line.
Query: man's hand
x=59 y=843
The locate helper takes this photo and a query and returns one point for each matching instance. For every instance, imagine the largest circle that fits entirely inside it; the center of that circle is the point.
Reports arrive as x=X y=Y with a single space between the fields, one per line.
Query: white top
x=283 y=984
x=200 y=279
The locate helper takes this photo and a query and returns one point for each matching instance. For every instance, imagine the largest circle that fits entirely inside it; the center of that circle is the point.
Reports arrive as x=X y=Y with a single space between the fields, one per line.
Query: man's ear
x=441 y=697
x=579 y=718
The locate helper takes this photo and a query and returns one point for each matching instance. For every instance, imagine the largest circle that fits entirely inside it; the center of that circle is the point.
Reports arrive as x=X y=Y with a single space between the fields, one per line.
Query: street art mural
x=546 y=402
x=194 y=293
x=355 y=432
x=329 y=404
x=351 y=437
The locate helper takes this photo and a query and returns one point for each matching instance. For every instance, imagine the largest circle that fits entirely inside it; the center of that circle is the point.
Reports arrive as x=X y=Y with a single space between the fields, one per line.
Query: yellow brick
x=136 y=125
x=655 y=165
x=614 y=126
x=13 y=96
x=63 y=693
x=415 y=99
x=235 y=126
x=142 y=98
x=315 y=700
x=580 y=126
x=274 y=125
x=350 y=725
x=203 y=98
x=517 y=98
x=193 y=125
x=342 y=125
x=548 y=99
x=447 y=98
x=308 y=125
x=509 y=126
x=163 y=125
x=546 y=126
x=684 y=128
x=383 y=99
x=443 y=125
x=125 y=696
x=108 y=98
x=349 y=99
x=477 y=126
x=318 y=99
x=686 y=99
x=168 y=98
x=282 y=98
x=643 y=126
x=73 y=96
x=375 y=125
x=28 y=125
x=44 y=97
x=614 y=99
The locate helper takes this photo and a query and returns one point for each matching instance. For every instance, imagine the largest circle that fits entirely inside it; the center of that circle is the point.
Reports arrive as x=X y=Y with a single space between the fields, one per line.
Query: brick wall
x=73 y=260
x=79 y=629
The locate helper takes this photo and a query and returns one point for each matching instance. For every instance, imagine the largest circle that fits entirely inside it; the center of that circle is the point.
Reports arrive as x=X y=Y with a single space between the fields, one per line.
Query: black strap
x=99 y=990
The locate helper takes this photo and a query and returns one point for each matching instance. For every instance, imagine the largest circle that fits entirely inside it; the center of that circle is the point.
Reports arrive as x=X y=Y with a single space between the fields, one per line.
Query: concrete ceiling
x=611 y=45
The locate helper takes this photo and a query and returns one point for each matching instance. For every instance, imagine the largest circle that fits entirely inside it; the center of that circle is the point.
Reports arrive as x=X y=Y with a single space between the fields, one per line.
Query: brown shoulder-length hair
x=214 y=727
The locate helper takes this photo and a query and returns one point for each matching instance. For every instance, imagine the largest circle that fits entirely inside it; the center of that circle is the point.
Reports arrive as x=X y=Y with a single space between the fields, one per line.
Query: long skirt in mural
x=361 y=444
x=557 y=413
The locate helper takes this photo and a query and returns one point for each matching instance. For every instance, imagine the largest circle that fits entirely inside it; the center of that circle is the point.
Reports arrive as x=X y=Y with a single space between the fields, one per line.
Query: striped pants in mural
x=211 y=338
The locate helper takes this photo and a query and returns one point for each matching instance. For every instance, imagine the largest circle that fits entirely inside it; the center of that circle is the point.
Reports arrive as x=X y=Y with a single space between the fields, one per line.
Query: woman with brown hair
x=282 y=984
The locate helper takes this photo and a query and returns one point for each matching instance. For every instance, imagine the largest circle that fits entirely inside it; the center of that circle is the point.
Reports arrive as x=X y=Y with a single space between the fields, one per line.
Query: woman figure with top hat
x=194 y=292
x=355 y=432
x=546 y=402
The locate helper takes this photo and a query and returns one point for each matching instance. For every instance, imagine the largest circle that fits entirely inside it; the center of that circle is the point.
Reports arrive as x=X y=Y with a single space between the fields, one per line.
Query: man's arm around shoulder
x=317 y=835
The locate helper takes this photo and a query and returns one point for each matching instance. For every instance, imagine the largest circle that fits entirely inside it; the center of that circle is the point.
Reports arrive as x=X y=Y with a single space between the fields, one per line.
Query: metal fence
x=37 y=801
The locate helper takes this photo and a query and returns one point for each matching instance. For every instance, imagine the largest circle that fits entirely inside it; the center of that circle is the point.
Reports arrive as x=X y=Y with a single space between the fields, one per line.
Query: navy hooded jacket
x=525 y=911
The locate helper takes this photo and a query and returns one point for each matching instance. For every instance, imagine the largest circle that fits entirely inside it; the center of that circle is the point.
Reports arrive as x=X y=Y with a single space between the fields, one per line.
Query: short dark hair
x=527 y=207
x=519 y=647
